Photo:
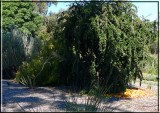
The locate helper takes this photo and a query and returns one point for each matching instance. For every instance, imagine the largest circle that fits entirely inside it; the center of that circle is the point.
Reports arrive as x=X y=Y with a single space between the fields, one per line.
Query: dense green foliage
x=42 y=67
x=20 y=15
x=20 y=25
x=150 y=63
x=13 y=52
x=103 y=42
x=100 y=43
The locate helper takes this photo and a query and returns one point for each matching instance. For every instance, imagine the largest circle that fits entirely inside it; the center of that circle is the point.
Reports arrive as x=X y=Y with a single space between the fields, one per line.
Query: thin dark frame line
x=158 y=55
x=73 y=1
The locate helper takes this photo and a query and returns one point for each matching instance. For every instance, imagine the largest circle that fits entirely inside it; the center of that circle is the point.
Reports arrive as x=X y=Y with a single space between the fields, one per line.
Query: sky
x=147 y=9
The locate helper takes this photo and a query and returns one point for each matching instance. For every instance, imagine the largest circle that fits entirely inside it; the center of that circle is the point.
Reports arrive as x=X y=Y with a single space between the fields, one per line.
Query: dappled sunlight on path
x=52 y=99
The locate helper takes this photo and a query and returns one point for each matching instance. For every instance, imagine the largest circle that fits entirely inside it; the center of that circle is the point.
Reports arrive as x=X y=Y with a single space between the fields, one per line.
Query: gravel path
x=45 y=99
x=38 y=99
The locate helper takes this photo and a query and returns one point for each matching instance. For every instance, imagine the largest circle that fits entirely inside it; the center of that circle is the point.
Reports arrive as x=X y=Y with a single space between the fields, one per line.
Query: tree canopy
x=104 y=42
x=21 y=16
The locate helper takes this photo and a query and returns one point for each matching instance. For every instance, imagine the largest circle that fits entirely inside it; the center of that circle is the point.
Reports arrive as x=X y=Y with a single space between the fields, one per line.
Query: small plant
x=30 y=72
x=149 y=86
x=27 y=72
x=90 y=103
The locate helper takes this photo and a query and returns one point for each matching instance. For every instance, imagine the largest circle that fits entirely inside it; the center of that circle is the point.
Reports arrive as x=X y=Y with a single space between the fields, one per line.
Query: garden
x=92 y=57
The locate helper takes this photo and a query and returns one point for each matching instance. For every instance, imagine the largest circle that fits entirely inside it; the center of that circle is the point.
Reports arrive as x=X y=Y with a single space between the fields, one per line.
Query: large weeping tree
x=102 y=42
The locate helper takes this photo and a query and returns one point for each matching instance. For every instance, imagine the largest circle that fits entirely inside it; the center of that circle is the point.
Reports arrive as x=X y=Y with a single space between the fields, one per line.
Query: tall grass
x=92 y=102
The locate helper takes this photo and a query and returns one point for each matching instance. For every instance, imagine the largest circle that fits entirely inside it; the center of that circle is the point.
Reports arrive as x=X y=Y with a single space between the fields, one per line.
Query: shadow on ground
x=17 y=98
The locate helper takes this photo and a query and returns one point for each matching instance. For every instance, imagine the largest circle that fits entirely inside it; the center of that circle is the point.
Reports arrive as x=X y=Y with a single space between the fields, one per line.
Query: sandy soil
x=17 y=98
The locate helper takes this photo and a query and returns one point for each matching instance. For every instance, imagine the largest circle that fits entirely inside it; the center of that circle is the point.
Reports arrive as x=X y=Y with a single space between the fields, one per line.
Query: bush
x=28 y=71
x=150 y=77
x=13 y=52
x=36 y=73
x=150 y=65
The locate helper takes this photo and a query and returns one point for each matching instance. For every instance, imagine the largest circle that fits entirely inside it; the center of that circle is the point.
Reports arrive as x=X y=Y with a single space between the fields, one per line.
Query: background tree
x=150 y=63
x=43 y=64
x=19 y=17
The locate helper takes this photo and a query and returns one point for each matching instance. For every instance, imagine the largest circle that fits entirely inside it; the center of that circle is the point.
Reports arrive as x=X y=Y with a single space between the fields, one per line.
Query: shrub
x=150 y=77
x=13 y=52
x=36 y=73
x=27 y=72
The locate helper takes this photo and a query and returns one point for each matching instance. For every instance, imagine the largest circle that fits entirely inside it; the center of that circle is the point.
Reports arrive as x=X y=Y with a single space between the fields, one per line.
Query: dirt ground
x=17 y=98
